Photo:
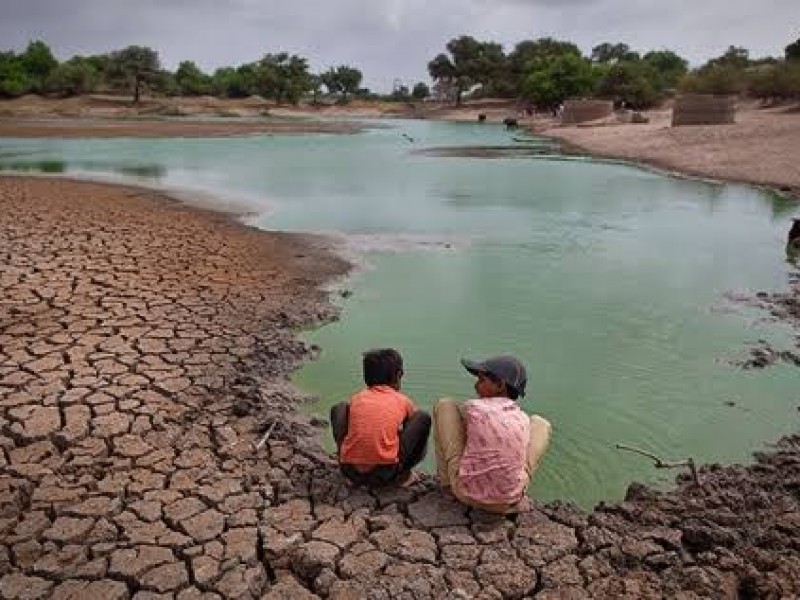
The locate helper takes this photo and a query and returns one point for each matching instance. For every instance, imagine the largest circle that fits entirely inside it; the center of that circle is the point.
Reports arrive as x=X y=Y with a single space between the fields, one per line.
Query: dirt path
x=144 y=349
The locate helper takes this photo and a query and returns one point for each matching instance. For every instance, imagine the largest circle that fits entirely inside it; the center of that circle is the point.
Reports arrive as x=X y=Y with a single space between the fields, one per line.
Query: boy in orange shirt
x=380 y=435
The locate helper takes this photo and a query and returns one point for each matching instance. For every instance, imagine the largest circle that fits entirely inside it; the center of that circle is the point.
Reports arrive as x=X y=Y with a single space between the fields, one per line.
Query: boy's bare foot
x=412 y=478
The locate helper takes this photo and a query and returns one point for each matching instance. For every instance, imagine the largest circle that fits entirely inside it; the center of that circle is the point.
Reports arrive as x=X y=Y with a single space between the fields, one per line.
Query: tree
x=190 y=80
x=133 y=66
x=38 y=62
x=470 y=62
x=350 y=80
x=669 y=69
x=529 y=56
x=613 y=53
x=14 y=81
x=342 y=79
x=792 y=51
x=561 y=78
x=420 y=91
x=734 y=57
x=629 y=82
x=74 y=77
x=714 y=79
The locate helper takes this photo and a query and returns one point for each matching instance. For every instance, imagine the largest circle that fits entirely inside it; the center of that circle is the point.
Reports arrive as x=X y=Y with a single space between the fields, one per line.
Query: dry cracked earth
x=144 y=351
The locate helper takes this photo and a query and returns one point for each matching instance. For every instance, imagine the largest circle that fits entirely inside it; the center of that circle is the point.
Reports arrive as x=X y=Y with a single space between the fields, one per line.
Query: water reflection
x=140 y=171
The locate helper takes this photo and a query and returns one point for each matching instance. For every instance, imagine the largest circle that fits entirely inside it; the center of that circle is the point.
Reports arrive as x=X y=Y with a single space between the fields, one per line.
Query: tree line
x=545 y=72
x=542 y=72
x=281 y=76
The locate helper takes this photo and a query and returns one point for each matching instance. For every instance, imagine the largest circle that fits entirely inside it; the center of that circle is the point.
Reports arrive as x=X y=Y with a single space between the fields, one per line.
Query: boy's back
x=376 y=414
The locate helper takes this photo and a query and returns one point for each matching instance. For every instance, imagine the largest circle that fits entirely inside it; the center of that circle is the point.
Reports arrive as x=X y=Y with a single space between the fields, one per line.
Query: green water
x=608 y=281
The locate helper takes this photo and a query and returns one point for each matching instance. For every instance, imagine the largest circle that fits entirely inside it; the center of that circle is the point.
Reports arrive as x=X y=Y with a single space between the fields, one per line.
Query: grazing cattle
x=510 y=123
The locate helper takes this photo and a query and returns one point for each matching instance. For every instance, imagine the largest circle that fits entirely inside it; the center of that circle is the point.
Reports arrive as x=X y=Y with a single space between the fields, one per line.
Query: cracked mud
x=144 y=350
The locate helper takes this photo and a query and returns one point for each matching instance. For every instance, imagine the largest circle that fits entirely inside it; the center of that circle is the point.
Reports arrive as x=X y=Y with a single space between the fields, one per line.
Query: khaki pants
x=448 y=435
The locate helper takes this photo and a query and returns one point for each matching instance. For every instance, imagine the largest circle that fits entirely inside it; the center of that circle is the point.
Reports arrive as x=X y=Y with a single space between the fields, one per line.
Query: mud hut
x=580 y=111
x=703 y=109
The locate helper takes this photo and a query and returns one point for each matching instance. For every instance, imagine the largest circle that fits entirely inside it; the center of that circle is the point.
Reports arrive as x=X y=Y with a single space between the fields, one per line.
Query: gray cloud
x=388 y=39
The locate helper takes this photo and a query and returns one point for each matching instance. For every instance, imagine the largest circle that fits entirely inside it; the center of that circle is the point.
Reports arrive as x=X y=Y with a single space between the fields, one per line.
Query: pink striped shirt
x=492 y=469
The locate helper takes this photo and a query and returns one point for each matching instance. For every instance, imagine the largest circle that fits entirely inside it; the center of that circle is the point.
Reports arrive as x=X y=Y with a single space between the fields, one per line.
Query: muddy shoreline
x=145 y=348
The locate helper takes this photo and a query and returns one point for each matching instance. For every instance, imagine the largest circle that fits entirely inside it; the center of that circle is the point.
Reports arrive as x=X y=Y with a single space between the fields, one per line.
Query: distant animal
x=510 y=123
x=408 y=137
x=481 y=117
x=793 y=241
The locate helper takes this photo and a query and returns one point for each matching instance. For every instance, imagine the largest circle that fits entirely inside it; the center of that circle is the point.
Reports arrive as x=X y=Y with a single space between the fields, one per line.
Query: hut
x=580 y=111
x=703 y=109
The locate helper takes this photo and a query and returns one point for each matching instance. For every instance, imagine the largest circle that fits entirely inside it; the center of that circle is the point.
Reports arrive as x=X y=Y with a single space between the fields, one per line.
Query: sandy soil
x=762 y=147
x=155 y=128
x=151 y=446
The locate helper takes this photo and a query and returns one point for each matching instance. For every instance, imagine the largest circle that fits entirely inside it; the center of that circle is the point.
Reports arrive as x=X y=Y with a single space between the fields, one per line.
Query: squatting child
x=380 y=435
x=487 y=449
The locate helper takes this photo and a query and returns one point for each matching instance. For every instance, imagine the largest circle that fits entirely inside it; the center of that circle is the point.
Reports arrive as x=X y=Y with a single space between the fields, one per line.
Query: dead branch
x=662 y=464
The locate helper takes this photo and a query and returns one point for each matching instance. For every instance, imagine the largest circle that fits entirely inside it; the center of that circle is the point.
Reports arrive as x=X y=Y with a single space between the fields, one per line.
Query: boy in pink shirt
x=487 y=449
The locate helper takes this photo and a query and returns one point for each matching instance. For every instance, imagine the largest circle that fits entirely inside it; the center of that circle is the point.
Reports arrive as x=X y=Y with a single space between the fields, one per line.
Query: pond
x=610 y=282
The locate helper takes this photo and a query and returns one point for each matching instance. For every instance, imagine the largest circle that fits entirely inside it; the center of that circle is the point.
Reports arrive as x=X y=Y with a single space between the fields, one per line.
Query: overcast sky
x=389 y=39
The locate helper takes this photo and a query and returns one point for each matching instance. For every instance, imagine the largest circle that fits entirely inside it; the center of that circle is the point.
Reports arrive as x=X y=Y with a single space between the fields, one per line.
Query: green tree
x=792 y=51
x=190 y=80
x=420 y=91
x=342 y=79
x=714 y=79
x=76 y=76
x=558 y=79
x=734 y=57
x=613 y=53
x=133 y=66
x=470 y=62
x=38 y=62
x=14 y=81
x=630 y=83
x=350 y=80
x=668 y=67
x=330 y=79
x=529 y=56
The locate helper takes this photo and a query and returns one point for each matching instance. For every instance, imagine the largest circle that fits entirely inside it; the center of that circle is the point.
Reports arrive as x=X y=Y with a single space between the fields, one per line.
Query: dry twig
x=662 y=464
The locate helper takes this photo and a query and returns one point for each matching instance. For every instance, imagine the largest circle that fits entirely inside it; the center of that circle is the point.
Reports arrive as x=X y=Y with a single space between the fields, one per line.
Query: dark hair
x=511 y=391
x=382 y=367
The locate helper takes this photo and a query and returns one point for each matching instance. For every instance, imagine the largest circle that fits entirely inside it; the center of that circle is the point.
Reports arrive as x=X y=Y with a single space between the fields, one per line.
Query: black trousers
x=413 y=445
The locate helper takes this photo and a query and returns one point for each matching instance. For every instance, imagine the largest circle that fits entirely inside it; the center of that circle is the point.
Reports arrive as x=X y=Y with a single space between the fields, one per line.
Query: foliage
x=668 y=67
x=630 y=83
x=133 y=66
x=779 y=81
x=191 y=81
x=420 y=91
x=714 y=79
x=342 y=80
x=792 y=51
x=74 y=77
x=38 y=62
x=608 y=53
x=14 y=81
x=554 y=81
x=532 y=55
x=470 y=63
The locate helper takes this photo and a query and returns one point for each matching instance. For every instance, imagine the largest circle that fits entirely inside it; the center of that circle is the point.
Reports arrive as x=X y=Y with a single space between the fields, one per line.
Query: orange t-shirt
x=376 y=414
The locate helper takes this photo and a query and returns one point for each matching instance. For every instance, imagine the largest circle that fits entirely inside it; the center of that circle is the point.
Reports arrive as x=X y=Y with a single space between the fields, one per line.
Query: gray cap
x=505 y=368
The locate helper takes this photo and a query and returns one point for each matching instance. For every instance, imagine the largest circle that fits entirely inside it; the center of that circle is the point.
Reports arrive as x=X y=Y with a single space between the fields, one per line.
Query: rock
x=310 y=558
x=165 y=577
x=16 y=586
x=436 y=510
x=204 y=526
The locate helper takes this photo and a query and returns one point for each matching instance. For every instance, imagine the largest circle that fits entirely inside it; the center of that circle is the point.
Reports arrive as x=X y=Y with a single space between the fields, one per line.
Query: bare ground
x=762 y=147
x=144 y=350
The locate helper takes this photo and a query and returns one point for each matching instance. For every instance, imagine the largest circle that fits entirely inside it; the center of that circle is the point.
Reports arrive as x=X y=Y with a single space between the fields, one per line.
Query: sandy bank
x=163 y=128
x=144 y=350
x=762 y=147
